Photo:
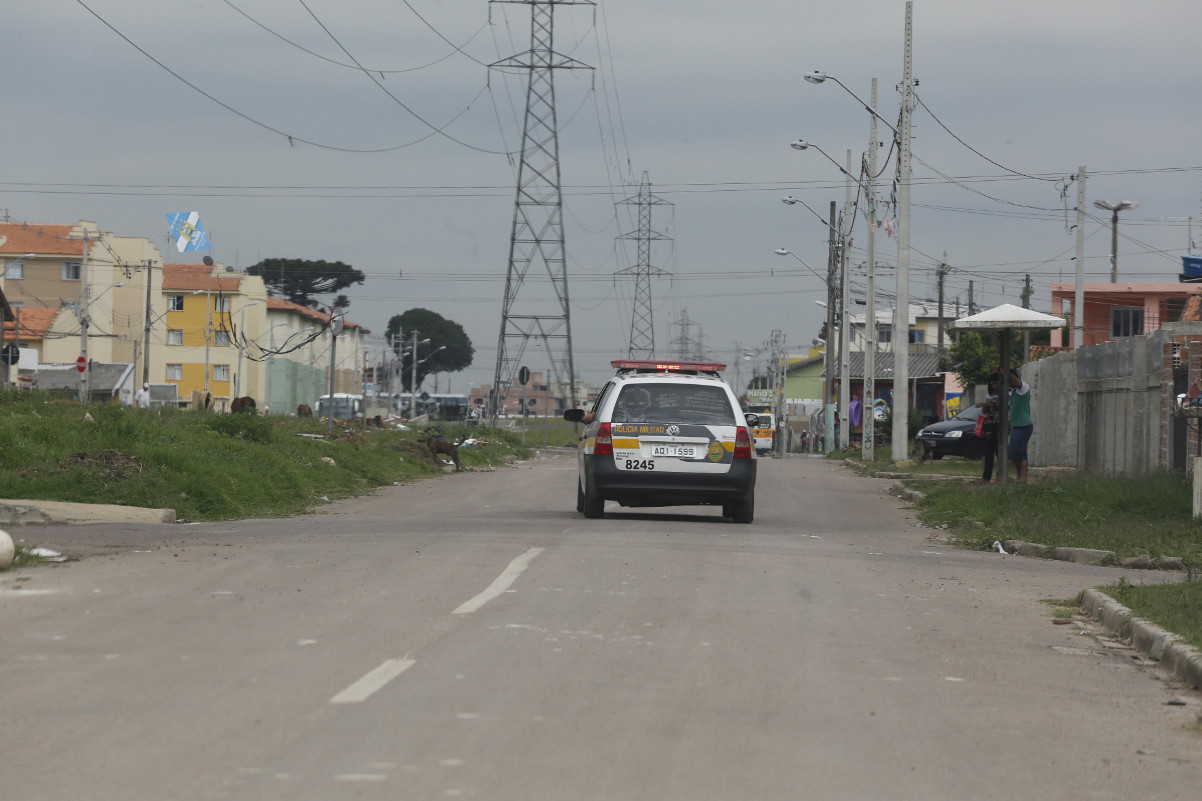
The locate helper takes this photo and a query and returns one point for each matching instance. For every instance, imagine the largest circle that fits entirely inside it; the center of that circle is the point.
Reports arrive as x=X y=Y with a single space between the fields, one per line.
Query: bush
x=246 y=426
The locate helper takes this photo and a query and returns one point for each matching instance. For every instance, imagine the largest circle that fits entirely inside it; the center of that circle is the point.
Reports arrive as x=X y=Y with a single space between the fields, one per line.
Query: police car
x=666 y=434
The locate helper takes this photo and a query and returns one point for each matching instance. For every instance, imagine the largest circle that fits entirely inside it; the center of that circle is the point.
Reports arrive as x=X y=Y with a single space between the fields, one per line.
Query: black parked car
x=952 y=437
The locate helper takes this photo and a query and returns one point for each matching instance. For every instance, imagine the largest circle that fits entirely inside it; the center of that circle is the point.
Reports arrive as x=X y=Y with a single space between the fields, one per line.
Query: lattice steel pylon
x=642 y=328
x=537 y=239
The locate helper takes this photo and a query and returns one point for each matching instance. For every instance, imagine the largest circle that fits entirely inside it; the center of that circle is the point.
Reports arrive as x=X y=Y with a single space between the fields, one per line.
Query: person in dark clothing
x=989 y=411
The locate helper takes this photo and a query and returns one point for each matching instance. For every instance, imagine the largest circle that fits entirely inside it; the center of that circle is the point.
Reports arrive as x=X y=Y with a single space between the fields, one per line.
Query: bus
x=343 y=407
x=439 y=406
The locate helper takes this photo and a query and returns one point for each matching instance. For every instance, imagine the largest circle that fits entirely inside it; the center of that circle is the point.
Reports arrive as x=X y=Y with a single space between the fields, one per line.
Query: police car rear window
x=674 y=403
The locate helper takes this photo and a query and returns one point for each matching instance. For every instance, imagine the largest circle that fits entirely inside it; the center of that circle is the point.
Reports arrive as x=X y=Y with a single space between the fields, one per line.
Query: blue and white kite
x=188 y=232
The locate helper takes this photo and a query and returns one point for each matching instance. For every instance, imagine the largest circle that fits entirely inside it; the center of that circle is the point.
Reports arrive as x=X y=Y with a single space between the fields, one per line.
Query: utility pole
x=146 y=331
x=1026 y=305
x=1079 y=293
x=85 y=315
x=901 y=315
x=868 y=402
x=335 y=330
x=943 y=270
x=828 y=407
x=537 y=237
x=208 y=335
x=413 y=376
x=845 y=309
x=971 y=304
x=642 y=329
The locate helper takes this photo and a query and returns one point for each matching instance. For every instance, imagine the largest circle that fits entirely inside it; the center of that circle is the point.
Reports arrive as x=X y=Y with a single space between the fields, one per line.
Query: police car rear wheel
x=579 y=498
x=594 y=507
x=743 y=510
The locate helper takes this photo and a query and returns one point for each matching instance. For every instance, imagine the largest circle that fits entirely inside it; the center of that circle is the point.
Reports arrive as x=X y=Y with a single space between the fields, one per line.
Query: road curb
x=1182 y=660
x=25 y=513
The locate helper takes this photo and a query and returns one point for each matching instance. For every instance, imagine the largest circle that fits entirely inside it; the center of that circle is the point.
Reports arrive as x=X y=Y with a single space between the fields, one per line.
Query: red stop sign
x=81 y=364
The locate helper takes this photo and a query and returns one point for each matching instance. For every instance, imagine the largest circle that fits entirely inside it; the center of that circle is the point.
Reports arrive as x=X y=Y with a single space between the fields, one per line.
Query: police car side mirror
x=574 y=415
x=753 y=420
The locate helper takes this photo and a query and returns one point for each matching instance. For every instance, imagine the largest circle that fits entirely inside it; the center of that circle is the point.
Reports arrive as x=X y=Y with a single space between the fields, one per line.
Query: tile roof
x=22 y=238
x=35 y=322
x=191 y=277
x=281 y=304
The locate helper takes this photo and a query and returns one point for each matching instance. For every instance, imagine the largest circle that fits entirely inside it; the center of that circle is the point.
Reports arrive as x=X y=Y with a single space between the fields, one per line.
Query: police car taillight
x=604 y=446
x=742 y=443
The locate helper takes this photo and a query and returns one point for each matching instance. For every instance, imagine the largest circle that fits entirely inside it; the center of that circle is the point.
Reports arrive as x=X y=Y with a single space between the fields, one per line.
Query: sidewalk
x=22 y=513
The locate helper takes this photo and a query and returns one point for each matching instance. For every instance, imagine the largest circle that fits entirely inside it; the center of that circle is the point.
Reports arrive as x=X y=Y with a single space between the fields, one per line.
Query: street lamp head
x=816 y=76
x=789 y=200
x=1122 y=205
x=782 y=252
x=799 y=144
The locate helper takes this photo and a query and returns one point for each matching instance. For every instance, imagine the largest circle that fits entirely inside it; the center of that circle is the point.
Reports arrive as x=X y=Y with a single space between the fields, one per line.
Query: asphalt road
x=473 y=636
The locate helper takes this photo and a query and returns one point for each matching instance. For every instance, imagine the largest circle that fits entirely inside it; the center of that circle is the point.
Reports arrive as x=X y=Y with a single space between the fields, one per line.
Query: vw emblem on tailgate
x=672 y=431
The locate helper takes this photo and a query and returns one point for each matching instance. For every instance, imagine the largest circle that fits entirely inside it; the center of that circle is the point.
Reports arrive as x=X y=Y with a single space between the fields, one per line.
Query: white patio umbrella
x=1006 y=318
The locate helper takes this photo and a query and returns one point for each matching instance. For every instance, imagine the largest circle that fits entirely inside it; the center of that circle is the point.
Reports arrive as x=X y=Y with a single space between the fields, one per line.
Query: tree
x=975 y=354
x=456 y=353
x=300 y=280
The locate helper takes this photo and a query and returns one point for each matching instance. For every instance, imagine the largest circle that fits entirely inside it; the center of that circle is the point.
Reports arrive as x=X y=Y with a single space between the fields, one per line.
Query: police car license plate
x=681 y=451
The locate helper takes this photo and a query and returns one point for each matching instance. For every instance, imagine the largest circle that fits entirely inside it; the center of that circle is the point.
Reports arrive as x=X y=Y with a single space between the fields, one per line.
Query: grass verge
x=210 y=466
x=1131 y=516
x=1175 y=607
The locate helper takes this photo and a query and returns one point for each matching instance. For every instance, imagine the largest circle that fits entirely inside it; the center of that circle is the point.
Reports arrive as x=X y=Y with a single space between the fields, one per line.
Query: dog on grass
x=438 y=444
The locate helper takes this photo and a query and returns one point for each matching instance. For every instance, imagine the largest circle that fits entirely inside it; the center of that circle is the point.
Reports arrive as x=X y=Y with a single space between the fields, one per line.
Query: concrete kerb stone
x=1183 y=661
x=32 y=512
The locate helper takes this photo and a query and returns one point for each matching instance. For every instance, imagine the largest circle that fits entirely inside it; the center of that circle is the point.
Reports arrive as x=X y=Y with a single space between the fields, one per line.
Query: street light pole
x=1114 y=209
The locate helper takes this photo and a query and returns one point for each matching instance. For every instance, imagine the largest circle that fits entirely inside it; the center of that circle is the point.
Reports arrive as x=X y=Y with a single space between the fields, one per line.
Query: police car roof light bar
x=692 y=368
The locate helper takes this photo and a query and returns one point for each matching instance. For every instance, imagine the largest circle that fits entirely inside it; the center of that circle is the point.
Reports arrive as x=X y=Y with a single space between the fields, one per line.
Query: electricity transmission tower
x=686 y=346
x=537 y=241
x=642 y=330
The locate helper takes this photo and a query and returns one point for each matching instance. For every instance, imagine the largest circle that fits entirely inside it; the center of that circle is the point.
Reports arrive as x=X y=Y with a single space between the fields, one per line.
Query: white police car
x=666 y=434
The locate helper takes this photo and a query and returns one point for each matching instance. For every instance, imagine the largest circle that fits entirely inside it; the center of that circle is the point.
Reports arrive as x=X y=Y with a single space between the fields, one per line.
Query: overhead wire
x=293 y=139
x=377 y=70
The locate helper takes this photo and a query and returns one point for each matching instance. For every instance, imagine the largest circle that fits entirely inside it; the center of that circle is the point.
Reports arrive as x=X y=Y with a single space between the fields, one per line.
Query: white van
x=765 y=434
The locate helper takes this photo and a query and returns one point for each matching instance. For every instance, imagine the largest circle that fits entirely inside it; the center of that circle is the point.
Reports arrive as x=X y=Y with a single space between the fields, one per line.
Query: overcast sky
x=253 y=113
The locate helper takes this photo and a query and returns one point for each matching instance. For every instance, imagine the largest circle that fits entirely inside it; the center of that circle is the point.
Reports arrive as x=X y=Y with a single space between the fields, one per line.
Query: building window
x=175 y=372
x=221 y=372
x=72 y=270
x=221 y=339
x=14 y=268
x=1126 y=321
x=918 y=336
x=884 y=335
x=221 y=304
x=175 y=303
x=175 y=336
